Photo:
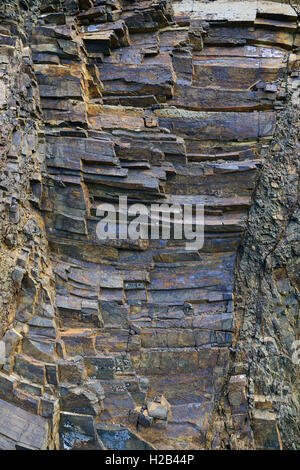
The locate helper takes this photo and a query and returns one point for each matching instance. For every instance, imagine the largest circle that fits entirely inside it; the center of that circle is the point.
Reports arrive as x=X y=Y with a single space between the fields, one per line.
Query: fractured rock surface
x=130 y=344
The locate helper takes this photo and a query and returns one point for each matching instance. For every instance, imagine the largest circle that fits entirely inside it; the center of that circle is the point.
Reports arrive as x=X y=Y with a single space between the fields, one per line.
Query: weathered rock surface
x=141 y=344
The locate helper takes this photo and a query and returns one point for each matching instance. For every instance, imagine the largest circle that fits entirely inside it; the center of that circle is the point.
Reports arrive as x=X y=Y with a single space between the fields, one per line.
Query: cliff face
x=134 y=344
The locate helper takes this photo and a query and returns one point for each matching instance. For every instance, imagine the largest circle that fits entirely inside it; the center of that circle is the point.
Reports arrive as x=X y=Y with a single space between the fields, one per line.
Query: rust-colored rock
x=141 y=341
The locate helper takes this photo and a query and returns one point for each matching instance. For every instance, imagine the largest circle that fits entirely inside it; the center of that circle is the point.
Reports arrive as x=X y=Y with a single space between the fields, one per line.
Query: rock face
x=141 y=344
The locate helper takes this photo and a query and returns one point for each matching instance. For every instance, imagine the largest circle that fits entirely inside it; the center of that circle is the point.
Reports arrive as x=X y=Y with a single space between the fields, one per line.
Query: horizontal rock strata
x=131 y=343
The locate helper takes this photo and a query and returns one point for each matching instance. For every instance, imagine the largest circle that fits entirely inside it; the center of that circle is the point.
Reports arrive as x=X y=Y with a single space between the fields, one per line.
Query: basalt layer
x=124 y=344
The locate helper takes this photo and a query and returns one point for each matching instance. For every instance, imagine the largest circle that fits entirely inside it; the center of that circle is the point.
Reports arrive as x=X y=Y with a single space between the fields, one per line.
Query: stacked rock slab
x=162 y=102
x=29 y=416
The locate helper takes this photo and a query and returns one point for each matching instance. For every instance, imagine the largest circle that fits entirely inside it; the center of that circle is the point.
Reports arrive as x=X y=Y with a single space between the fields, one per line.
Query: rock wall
x=29 y=416
x=141 y=344
x=267 y=294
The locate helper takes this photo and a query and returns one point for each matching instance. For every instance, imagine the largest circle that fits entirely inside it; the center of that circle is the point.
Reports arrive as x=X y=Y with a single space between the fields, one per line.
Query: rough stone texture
x=267 y=295
x=27 y=283
x=141 y=344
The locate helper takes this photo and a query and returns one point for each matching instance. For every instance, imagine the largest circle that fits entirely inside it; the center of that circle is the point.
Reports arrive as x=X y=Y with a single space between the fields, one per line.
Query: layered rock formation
x=142 y=344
